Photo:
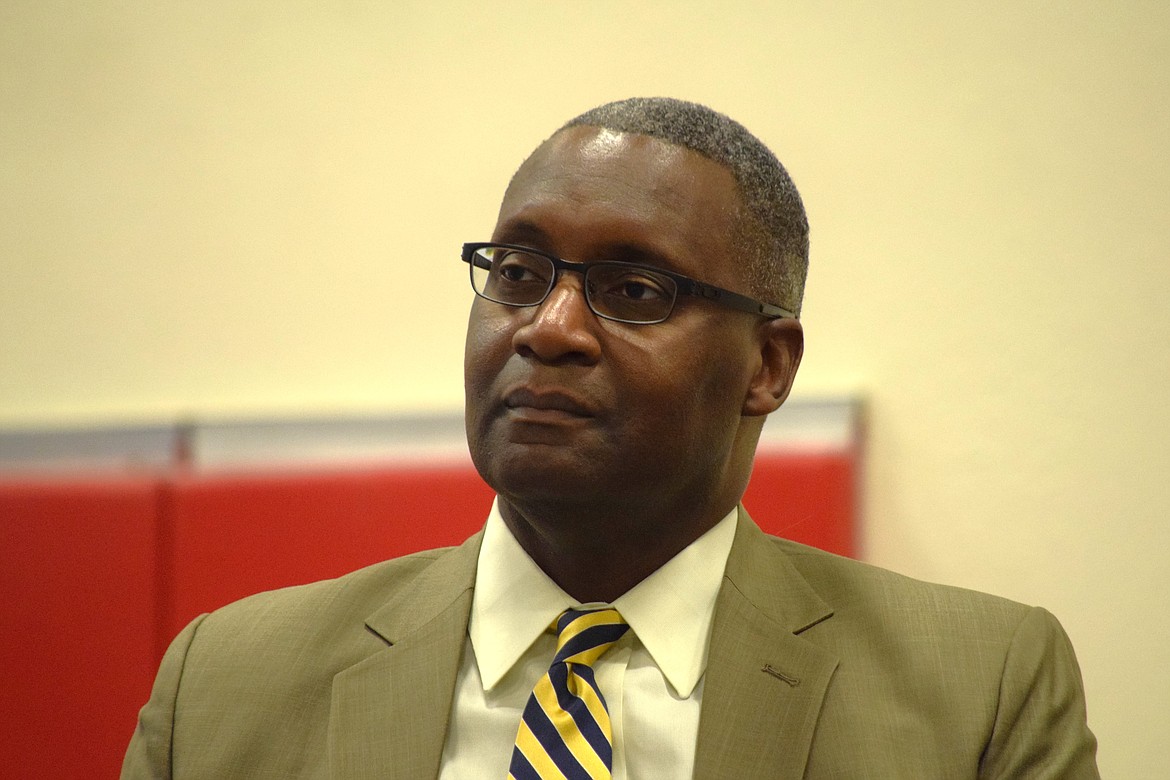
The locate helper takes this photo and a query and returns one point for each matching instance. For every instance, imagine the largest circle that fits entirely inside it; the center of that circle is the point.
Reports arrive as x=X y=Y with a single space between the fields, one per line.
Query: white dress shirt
x=651 y=679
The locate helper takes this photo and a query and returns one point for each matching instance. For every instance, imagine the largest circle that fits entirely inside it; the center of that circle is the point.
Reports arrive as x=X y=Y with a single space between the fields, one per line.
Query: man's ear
x=781 y=344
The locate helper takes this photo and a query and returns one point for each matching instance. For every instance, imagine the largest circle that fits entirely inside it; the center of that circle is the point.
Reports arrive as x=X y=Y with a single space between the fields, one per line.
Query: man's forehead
x=598 y=140
x=589 y=143
x=631 y=161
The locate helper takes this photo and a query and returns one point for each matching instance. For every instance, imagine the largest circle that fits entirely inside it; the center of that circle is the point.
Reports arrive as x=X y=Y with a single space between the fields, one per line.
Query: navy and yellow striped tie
x=565 y=730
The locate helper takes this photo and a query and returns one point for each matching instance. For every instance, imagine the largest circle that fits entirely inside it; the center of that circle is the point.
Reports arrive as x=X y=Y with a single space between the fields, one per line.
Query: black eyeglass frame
x=685 y=285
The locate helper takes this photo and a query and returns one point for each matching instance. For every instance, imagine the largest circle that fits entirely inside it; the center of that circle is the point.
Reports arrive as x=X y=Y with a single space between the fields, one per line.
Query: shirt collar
x=670 y=611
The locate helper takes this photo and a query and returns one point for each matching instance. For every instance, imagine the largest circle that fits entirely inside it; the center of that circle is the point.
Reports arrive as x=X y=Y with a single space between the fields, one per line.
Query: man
x=635 y=322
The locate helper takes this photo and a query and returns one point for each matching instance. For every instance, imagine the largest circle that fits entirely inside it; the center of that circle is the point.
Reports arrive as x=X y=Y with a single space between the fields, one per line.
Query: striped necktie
x=565 y=730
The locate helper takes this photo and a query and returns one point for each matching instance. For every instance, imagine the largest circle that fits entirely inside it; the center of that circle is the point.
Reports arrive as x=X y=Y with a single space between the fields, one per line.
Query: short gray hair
x=775 y=234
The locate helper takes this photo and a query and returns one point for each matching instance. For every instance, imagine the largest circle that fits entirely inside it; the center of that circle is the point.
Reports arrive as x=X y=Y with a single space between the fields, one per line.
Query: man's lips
x=550 y=403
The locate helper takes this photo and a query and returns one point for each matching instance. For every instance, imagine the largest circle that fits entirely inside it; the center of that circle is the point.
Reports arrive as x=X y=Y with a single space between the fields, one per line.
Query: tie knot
x=584 y=635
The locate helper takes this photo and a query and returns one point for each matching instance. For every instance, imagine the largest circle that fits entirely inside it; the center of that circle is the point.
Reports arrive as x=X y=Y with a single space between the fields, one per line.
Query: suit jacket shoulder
x=327 y=616
x=261 y=685
x=870 y=673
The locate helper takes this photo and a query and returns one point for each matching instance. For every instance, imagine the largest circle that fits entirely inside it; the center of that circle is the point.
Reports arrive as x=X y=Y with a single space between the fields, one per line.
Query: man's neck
x=599 y=555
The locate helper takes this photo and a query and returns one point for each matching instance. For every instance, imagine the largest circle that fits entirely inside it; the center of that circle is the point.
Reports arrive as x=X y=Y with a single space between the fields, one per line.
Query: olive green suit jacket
x=819 y=667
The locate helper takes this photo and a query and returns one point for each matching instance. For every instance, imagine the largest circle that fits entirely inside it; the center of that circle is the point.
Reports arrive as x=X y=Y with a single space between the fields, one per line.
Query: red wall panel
x=810 y=498
x=232 y=536
x=78 y=623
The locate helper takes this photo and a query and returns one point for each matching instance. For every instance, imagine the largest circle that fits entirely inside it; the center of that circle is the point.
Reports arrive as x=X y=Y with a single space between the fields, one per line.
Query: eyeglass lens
x=620 y=291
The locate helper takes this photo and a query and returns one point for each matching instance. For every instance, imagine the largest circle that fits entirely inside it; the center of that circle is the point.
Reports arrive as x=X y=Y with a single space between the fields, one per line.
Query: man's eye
x=636 y=288
x=517 y=268
x=514 y=272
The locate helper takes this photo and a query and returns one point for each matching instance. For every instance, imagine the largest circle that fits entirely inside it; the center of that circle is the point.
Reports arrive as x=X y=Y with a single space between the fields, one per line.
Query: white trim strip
x=820 y=425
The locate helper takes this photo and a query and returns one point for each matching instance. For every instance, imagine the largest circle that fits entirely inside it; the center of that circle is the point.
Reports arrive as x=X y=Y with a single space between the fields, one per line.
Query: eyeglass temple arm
x=736 y=301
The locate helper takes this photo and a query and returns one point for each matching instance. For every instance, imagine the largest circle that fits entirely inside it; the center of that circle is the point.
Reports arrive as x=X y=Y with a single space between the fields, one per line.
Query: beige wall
x=252 y=208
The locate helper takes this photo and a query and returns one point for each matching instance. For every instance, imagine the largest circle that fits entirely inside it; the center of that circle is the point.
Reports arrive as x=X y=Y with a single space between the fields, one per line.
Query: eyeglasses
x=622 y=292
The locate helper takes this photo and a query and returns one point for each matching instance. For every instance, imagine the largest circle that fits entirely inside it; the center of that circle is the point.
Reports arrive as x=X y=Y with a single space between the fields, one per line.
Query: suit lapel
x=390 y=711
x=764 y=685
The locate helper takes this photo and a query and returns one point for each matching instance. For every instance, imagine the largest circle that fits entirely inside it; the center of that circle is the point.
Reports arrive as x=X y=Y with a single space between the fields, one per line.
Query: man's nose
x=562 y=328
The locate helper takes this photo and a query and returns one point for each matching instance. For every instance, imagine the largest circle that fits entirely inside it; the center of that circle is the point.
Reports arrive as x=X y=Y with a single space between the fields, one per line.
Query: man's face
x=565 y=408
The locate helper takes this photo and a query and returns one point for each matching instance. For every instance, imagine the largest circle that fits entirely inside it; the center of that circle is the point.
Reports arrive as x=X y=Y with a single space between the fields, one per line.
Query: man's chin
x=541 y=472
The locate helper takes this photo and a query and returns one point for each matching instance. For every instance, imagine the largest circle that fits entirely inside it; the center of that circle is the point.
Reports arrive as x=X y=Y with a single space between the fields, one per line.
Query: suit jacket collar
x=762 y=679
x=389 y=712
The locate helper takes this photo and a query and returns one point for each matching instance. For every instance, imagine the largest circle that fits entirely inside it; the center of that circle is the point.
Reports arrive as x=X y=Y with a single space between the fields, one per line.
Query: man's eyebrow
x=527 y=233
x=521 y=232
x=637 y=253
